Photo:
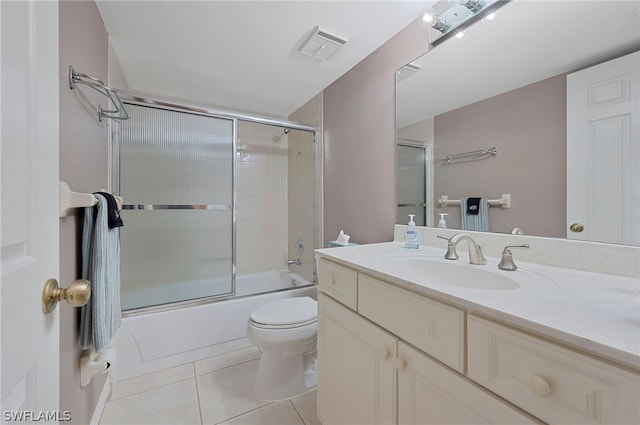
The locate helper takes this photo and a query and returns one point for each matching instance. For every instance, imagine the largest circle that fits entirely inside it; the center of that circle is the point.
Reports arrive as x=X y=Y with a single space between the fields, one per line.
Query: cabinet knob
x=385 y=353
x=540 y=386
x=332 y=280
x=400 y=364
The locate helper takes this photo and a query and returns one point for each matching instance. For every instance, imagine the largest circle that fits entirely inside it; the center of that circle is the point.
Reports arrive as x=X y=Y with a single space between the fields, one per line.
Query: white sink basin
x=450 y=274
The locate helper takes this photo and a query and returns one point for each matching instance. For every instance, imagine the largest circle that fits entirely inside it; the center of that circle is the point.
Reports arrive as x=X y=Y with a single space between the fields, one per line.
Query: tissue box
x=333 y=244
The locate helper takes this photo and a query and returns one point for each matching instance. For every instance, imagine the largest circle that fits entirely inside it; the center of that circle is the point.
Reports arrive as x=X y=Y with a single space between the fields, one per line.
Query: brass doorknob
x=576 y=227
x=76 y=295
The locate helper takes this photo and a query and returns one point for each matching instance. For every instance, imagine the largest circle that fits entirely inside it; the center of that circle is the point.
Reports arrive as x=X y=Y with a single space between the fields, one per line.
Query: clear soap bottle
x=411 y=235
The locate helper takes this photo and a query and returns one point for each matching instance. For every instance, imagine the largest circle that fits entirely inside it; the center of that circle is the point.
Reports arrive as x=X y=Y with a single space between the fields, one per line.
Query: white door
x=29 y=179
x=603 y=152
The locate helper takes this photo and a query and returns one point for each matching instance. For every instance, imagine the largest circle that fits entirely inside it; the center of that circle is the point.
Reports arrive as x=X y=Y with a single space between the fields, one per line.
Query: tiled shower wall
x=277 y=187
x=262 y=213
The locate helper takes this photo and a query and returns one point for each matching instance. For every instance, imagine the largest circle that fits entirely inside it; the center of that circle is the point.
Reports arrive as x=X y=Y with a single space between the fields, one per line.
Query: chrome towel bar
x=119 y=113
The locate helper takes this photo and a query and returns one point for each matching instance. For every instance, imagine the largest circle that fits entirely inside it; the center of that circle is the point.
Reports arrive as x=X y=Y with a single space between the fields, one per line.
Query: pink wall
x=83 y=164
x=359 y=142
x=527 y=126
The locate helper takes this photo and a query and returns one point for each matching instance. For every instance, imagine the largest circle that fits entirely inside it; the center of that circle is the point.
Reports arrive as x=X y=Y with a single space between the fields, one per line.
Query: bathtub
x=149 y=342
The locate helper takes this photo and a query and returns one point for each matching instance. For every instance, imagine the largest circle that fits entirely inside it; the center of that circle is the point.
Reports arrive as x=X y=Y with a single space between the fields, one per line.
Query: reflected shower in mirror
x=505 y=86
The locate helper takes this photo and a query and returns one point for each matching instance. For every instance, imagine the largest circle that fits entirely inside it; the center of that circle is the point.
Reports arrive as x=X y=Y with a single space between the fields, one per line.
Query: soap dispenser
x=442 y=223
x=411 y=235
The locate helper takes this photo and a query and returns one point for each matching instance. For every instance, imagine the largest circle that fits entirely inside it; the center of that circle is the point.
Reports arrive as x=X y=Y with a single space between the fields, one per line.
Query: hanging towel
x=100 y=318
x=478 y=221
x=473 y=206
x=113 y=213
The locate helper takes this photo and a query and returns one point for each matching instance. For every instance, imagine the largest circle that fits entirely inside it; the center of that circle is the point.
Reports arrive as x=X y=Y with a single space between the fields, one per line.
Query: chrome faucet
x=475 y=250
x=295 y=262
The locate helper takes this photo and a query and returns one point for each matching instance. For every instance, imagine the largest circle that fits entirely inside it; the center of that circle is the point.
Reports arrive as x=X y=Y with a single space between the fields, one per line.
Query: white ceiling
x=242 y=55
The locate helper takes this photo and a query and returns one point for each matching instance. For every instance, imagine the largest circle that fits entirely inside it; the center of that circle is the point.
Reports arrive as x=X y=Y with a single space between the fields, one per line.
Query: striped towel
x=478 y=222
x=100 y=318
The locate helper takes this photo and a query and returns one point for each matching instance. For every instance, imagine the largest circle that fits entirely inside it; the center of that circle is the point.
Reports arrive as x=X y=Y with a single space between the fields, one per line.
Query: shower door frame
x=197 y=109
x=428 y=203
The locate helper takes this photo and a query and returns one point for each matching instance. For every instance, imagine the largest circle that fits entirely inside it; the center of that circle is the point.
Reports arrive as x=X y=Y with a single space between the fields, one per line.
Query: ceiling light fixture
x=472 y=5
x=448 y=15
x=321 y=44
x=427 y=17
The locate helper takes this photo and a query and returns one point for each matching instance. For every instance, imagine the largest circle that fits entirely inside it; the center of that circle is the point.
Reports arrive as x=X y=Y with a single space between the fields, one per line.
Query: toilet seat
x=284 y=314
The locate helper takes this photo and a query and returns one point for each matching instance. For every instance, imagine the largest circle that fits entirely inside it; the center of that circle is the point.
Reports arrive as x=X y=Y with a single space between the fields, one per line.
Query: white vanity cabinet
x=369 y=375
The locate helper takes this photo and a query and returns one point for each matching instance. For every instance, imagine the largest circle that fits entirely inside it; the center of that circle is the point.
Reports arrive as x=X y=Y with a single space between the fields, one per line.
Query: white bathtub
x=154 y=341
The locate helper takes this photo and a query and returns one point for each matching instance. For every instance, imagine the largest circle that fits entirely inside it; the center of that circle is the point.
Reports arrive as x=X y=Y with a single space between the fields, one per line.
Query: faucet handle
x=506 y=262
x=507 y=249
x=451 y=249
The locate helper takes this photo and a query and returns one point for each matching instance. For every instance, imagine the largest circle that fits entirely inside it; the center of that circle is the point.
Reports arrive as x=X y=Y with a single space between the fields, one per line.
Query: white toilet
x=285 y=331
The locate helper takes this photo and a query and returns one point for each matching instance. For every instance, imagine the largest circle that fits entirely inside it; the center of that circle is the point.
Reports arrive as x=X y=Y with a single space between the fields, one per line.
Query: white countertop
x=594 y=312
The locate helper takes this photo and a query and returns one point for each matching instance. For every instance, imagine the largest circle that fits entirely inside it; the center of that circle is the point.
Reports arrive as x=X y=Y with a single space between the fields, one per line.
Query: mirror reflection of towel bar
x=473 y=155
x=504 y=202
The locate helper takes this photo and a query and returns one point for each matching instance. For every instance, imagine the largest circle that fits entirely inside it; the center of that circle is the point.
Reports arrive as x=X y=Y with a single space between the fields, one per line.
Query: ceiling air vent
x=407 y=71
x=321 y=44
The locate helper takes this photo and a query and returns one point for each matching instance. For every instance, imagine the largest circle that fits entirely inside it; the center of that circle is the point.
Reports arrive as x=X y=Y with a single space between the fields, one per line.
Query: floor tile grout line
x=296 y=409
x=150 y=389
x=268 y=403
x=226 y=367
x=198 y=394
x=195 y=375
x=153 y=373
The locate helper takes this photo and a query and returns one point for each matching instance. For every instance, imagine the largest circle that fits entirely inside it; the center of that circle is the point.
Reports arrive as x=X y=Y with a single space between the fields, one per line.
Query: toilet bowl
x=285 y=331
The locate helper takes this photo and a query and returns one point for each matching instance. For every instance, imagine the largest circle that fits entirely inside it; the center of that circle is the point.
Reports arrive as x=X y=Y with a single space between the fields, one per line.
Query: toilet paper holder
x=94 y=364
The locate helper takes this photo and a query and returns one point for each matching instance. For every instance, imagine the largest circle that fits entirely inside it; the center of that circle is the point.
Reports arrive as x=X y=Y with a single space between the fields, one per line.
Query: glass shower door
x=176 y=175
x=411 y=168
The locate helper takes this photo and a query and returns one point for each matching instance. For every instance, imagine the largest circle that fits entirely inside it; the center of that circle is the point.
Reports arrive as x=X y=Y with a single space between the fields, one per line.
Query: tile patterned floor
x=212 y=391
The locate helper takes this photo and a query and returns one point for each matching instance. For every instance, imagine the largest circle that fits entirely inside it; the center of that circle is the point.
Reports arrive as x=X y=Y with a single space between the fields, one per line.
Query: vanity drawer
x=433 y=327
x=339 y=282
x=551 y=382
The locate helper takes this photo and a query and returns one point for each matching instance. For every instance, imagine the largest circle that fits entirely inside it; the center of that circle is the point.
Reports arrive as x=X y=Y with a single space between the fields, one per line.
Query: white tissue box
x=334 y=244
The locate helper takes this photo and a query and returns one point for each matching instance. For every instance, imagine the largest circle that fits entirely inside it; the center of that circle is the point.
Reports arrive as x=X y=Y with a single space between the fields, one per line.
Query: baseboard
x=105 y=394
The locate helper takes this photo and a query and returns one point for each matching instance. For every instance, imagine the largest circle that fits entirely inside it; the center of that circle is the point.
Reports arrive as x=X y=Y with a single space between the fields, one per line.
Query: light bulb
x=460 y=34
x=427 y=17
x=491 y=16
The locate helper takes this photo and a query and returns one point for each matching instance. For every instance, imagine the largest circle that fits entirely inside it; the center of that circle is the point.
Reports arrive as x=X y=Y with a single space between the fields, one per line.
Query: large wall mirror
x=508 y=95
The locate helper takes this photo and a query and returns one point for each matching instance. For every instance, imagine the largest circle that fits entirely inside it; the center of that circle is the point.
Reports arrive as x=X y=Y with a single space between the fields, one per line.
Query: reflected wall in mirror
x=504 y=85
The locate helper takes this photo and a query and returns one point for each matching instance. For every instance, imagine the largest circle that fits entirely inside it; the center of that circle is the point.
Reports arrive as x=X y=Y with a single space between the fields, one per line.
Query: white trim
x=105 y=395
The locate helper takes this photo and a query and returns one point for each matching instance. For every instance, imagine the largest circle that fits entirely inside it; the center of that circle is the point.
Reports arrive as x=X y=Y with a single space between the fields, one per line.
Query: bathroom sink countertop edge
x=595 y=312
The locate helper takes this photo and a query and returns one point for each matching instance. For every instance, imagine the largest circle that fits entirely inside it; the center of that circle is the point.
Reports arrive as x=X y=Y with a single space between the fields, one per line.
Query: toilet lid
x=290 y=311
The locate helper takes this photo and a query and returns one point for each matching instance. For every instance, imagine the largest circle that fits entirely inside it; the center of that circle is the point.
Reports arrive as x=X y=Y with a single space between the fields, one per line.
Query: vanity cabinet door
x=429 y=393
x=356 y=377
x=551 y=382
